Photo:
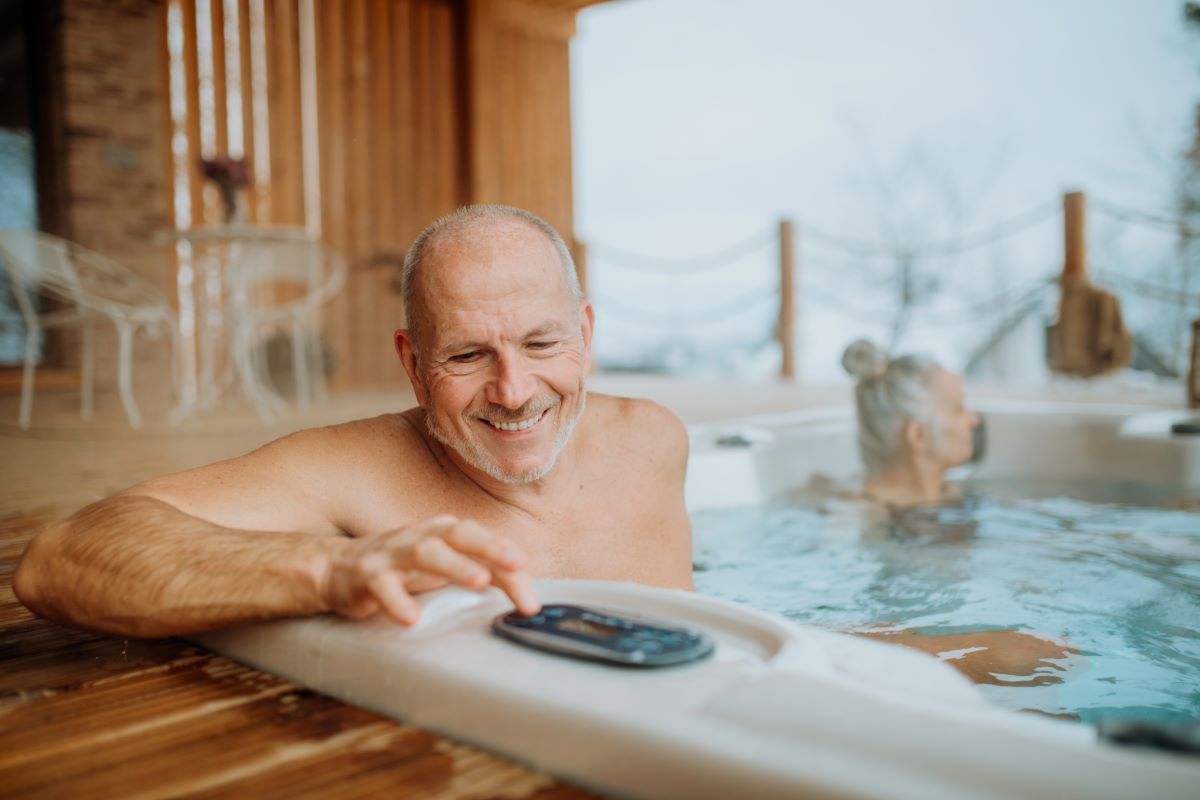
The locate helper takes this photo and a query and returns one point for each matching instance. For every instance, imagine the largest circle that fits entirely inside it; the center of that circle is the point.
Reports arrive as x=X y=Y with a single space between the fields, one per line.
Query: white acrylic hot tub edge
x=781 y=710
x=764 y=456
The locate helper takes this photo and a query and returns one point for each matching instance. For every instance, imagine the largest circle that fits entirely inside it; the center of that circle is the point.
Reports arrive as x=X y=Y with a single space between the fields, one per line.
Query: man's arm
x=199 y=550
x=134 y=565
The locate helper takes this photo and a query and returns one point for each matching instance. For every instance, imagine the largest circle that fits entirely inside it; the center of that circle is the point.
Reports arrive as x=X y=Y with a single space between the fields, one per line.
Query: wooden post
x=1069 y=336
x=786 y=328
x=1193 y=376
x=1074 y=244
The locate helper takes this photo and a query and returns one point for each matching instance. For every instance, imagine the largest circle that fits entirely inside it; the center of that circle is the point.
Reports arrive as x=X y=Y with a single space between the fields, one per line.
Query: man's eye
x=540 y=345
x=465 y=358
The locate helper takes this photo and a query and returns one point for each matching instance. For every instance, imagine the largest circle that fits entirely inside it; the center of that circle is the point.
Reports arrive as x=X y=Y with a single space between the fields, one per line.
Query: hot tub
x=753 y=460
x=1076 y=549
x=782 y=709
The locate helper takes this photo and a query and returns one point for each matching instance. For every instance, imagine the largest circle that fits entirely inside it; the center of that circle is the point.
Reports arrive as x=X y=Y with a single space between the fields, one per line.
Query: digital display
x=597 y=635
x=593 y=629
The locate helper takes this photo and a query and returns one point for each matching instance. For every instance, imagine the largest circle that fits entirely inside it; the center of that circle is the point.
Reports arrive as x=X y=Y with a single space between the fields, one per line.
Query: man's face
x=502 y=350
x=953 y=422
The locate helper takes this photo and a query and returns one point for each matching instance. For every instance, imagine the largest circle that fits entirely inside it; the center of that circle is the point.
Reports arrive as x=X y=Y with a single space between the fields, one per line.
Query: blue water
x=1119 y=581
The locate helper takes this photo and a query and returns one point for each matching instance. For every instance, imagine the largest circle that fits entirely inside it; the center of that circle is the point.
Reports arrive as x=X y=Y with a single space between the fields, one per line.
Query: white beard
x=472 y=452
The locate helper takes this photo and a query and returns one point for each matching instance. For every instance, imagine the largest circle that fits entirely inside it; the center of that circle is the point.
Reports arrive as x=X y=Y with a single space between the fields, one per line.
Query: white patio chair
x=255 y=279
x=84 y=288
x=279 y=282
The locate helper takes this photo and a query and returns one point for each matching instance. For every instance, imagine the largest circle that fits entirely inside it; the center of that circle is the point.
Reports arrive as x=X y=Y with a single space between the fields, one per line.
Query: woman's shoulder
x=822 y=491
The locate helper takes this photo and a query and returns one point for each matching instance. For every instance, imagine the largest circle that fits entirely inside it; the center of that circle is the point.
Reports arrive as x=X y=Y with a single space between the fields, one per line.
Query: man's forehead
x=489 y=257
x=499 y=273
x=488 y=241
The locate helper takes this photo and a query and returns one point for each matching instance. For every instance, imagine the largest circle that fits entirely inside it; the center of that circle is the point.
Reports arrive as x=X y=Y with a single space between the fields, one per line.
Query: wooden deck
x=86 y=715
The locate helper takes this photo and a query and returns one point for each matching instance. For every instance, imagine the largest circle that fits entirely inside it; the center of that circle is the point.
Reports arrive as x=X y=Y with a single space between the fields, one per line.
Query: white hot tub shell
x=781 y=709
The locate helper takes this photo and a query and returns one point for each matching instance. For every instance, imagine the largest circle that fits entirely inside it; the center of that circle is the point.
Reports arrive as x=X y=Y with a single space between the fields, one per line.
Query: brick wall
x=114 y=140
x=111 y=149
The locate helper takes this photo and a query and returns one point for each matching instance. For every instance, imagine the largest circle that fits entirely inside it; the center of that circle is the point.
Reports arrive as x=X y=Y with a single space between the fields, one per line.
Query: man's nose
x=513 y=385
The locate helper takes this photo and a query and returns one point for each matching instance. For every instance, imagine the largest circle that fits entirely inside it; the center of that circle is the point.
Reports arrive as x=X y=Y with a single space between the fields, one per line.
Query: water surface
x=1120 y=581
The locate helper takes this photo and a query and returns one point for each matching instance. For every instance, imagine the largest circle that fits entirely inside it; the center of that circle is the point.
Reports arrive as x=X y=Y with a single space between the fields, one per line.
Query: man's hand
x=384 y=571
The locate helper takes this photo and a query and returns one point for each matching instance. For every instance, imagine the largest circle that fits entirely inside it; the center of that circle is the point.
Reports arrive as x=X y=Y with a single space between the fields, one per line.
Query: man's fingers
x=519 y=588
x=434 y=555
x=445 y=548
x=472 y=538
x=504 y=558
x=387 y=588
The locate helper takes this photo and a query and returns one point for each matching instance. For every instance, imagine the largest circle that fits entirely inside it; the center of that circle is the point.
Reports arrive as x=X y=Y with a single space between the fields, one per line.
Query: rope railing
x=690 y=265
x=719 y=312
x=1013 y=304
x=973 y=241
x=976 y=310
x=1149 y=290
x=1177 y=225
x=1002 y=303
x=839 y=303
x=1015 y=316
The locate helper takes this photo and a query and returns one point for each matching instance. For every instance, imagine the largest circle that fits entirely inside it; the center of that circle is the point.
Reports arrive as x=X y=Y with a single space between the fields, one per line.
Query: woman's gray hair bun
x=862 y=359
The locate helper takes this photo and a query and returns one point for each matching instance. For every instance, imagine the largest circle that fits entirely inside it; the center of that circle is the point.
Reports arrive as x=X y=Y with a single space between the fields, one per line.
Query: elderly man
x=506 y=470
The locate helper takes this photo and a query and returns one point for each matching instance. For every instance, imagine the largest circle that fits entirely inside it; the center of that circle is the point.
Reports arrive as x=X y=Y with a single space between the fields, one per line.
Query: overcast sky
x=700 y=122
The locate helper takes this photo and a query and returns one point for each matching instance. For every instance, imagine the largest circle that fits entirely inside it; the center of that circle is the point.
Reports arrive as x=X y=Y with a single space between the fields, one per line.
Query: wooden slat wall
x=220 y=99
x=192 y=88
x=421 y=106
x=245 y=62
x=388 y=143
x=286 y=155
x=520 y=107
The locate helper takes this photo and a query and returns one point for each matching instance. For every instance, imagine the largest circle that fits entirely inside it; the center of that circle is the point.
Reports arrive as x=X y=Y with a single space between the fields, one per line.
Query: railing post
x=786 y=327
x=1193 y=375
x=1068 y=346
x=1074 y=242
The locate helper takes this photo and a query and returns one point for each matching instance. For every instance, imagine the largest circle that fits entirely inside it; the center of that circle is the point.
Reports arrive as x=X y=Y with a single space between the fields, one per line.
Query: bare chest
x=585 y=537
x=582 y=533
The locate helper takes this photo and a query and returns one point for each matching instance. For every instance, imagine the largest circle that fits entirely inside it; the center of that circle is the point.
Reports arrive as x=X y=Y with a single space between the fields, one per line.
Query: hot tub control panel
x=604 y=636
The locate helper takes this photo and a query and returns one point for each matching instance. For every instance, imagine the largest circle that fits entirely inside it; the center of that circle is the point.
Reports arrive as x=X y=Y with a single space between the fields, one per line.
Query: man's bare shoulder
x=314 y=480
x=329 y=453
x=641 y=426
x=383 y=431
x=395 y=441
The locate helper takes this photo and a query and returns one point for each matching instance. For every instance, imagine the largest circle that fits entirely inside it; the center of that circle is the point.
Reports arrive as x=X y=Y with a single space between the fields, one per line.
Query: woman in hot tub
x=913 y=427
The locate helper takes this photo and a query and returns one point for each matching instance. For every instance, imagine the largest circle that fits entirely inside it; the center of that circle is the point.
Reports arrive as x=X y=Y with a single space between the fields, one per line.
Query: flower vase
x=231 y=203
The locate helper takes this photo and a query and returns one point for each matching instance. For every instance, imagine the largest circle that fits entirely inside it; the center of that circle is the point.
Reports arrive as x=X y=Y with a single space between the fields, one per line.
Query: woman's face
x=951 y=443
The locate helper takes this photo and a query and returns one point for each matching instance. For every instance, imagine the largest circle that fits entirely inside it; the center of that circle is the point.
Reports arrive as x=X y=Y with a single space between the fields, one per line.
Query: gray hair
x=889 y=392
x=460 y=222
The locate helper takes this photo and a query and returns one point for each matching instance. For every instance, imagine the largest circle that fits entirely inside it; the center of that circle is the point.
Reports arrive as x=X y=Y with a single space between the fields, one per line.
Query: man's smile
x=517 y=425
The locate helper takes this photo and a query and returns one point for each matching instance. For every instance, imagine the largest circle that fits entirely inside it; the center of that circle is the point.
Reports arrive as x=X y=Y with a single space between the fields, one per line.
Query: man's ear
x=408 y=357
x=587 y=323
x=916 y=438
